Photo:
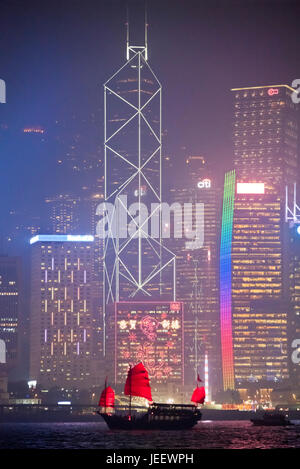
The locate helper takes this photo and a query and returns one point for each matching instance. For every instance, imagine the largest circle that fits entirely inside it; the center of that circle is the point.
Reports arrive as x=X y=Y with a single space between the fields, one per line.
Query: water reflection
x=207 y=434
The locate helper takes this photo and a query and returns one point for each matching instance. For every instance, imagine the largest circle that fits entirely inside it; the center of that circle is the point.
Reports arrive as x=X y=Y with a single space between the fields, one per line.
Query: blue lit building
x=65 y=325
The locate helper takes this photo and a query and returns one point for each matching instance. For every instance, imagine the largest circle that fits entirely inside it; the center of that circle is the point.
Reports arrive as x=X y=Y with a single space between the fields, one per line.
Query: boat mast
x=105 y=392
x=130 y=374
x=196 y=306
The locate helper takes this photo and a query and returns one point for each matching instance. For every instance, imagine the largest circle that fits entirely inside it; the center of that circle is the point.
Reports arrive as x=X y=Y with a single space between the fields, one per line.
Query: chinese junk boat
x=156 y=416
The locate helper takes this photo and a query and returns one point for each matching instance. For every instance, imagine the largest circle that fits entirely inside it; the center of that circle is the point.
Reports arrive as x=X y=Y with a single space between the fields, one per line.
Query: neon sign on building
x=204 y=184
x=225 y=281
x=273 y=91
x=62 y=238
x=250 y=188
x=150 y=332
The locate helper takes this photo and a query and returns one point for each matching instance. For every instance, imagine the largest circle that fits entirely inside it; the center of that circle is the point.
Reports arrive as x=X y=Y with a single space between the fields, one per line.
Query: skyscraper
x=151 y=332
x=259 y=314
x=63 y=214
x=197 y=272
x=138 y=268
x=136 y=261
x=294 y=303
x=10 y=307
x=65 y=328
x=265 y=137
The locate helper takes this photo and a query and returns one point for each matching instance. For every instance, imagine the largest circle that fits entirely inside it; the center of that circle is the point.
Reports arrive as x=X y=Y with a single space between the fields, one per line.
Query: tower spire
x=133 y=49
x=146 y=32
x=127 y=33
x=132 y=167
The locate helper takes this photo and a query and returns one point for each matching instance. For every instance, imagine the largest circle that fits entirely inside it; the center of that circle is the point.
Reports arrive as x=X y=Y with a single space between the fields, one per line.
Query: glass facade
x=265 y=136
x=65 y=326
x=294 y=295
x=10 y=307
x=197 y=283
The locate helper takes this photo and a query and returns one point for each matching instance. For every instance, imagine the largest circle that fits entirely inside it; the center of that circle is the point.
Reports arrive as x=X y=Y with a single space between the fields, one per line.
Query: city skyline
x=150 y=222
x=47 y=100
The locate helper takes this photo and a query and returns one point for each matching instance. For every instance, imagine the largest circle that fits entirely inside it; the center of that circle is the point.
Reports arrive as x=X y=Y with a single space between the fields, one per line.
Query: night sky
x=55 y=56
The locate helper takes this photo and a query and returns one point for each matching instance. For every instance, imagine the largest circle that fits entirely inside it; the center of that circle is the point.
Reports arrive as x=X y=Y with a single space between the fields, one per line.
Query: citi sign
x=273 y=91
x=204 y=184
x=2 y=92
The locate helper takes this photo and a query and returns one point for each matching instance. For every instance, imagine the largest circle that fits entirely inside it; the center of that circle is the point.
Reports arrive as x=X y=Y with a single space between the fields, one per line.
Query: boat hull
x=263 y=423
x=164 y=420
x=269 y=419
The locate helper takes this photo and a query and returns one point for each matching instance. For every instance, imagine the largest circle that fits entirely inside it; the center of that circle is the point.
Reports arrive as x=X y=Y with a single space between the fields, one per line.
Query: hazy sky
x=55 y=55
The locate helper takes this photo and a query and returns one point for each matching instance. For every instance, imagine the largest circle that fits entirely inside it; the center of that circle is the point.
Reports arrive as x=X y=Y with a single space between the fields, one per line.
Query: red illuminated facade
x=147 y=332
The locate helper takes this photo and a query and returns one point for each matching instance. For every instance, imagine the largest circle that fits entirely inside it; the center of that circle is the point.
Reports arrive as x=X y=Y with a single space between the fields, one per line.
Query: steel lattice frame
x=138 y=166
x=292 y=211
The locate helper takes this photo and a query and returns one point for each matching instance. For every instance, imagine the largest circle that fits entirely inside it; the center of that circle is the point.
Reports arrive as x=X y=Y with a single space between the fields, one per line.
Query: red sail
x=107 y=398
x=198 y=396
x=137 y=382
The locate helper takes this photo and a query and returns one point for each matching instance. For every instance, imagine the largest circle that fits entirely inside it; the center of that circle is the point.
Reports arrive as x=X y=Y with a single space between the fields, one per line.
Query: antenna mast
x=146 y=33
x=127 y=33
x=133 y=49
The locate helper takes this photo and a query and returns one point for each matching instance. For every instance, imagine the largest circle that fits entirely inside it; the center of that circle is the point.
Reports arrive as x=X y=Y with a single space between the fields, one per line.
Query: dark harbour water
x=94 y=435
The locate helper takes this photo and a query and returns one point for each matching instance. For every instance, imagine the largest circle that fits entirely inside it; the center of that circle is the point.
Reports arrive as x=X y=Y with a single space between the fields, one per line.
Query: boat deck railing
x=173 y=406
x=125 y=408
